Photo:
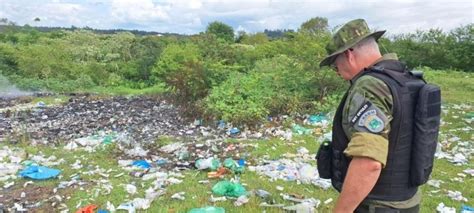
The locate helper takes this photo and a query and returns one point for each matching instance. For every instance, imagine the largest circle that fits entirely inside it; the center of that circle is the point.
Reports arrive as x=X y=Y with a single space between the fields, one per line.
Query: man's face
x=343 y=67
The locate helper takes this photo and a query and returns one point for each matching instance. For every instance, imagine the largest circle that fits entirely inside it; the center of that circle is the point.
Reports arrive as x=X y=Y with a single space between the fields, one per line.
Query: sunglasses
x=333 y=65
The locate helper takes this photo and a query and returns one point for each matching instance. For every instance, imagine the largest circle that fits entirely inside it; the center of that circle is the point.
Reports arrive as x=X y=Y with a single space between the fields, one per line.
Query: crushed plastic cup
x=227 y=188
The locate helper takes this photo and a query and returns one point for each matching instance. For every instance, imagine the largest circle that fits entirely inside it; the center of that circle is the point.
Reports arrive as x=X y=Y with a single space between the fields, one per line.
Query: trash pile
x=142 y=119
x=295 y=167
x=135 y=126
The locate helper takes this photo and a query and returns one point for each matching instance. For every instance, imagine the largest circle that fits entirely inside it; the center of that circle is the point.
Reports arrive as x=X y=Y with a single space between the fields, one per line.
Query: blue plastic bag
x=142 y=164
x=39 y=172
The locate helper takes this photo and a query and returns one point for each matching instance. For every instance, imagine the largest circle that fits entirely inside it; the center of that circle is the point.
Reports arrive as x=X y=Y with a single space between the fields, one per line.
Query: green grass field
x=457 y=88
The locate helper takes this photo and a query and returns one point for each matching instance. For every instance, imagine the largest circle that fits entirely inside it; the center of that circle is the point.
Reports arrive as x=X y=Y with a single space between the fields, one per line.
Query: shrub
x=274 y=86
x=181 y=68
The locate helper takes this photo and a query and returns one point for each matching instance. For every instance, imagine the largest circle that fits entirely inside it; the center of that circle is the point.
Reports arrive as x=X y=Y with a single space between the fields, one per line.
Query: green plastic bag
x=227 y=188
x=208 y=209
x=233 y=165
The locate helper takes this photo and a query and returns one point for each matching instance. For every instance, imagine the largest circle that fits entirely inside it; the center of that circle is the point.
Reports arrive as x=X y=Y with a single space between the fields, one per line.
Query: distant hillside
x=98 y=31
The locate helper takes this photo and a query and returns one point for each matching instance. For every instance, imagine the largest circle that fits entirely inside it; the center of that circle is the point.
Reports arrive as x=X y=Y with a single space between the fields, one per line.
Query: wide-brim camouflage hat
x=346 y=37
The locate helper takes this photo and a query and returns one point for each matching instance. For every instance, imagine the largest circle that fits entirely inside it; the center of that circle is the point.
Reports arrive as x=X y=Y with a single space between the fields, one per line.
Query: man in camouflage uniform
x=352 y=50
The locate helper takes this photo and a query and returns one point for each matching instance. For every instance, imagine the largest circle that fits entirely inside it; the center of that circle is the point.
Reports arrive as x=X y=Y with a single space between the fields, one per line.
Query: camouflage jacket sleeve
x=366 y=119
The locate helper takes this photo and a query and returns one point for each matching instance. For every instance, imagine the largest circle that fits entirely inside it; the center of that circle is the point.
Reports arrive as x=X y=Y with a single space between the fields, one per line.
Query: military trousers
x=373 y=208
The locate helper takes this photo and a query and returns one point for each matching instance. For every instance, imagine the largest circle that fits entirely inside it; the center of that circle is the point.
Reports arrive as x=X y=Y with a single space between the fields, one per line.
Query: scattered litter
x=217 y=199
x=39 y=172
x=280 y=188
x=170 y=148
x=241 y=200
x=178 y=196
x=435 y=183
x=303 y=151
x=208 y=209
x=317 y=120
x=8 y=185
x=328 y=201
x=469 y=171
x=87 y=209
x=459 y=159
x=264 y=204
x=141 y=203
x=220 y=173
x=262 y=193
x=234 y=131
x=110 y=206
x=301 y=130
x=307 y=172
x=456 y=195
x=289 y=170
x=131 y=189
x=301 y=208
x=209 y=163
x=233 y=165
x=128 y=207
x=445 y=209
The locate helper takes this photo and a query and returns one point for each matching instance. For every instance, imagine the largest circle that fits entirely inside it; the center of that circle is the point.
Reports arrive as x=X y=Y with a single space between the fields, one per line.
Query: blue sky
x=192 y=16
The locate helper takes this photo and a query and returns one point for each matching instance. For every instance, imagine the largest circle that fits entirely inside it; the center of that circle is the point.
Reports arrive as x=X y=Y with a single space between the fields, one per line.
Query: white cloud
x=192 y=16
x=137 y=11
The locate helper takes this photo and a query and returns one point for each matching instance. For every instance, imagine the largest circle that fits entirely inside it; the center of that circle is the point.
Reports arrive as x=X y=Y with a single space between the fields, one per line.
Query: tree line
x=217 y=74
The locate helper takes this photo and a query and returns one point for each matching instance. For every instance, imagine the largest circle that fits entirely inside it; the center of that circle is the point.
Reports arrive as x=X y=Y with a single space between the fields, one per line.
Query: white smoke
x=8 y=90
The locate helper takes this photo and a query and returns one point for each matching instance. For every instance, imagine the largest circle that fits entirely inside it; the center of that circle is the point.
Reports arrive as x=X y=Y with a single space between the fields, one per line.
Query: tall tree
x=221 y=30
x=315 y=25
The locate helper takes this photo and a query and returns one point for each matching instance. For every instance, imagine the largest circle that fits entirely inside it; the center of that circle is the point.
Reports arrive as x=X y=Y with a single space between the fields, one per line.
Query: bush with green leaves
x=275 y=86
x=180 y=66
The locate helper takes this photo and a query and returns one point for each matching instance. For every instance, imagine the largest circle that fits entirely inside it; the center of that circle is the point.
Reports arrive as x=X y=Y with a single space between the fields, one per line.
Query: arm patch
x=360 y=112
x=369 y=118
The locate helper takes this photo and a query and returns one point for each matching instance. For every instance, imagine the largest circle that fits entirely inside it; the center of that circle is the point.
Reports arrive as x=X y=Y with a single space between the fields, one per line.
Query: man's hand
x=361 y=177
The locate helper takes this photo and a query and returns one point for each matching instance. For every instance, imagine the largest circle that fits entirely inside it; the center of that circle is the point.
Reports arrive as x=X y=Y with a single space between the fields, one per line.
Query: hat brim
x=332 y=57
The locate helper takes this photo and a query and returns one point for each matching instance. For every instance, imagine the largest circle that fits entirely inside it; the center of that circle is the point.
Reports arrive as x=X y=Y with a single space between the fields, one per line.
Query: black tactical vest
x=394 y=181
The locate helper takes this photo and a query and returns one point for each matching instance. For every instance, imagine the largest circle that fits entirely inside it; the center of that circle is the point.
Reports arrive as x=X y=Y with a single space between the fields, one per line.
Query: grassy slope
x=457 y=88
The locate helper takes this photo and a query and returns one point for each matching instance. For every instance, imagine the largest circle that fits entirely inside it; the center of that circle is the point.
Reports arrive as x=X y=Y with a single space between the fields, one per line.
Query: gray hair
x=367 y=46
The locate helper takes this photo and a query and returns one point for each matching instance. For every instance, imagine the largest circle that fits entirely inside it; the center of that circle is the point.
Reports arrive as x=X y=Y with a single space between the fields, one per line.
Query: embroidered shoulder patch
x=371 y=121
x=360 y=112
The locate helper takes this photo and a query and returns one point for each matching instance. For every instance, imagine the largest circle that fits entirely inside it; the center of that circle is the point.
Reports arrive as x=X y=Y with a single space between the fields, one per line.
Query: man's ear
x=350 y=56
